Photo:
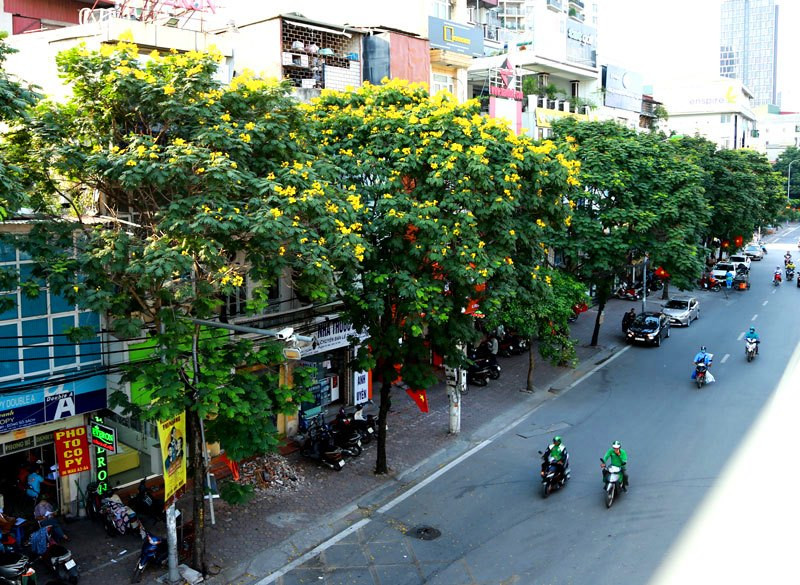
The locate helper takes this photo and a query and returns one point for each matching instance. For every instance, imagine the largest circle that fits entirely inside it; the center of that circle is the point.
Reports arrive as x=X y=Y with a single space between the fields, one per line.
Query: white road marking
x=754 y=317
x=764 y=304
x=740 y=336
x=725 y=358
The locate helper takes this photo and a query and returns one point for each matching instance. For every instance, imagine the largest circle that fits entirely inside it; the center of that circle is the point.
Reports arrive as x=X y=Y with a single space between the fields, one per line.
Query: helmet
x=703 y=348
x=752 y=329
x=616 y=445
x=557 y=439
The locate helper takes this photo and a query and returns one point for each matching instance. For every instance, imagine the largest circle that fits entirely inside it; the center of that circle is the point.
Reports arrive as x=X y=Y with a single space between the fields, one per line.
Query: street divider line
x=754 y=317
x=764 y=304
x=725 y=358
x=313 y=552
x=740 y=336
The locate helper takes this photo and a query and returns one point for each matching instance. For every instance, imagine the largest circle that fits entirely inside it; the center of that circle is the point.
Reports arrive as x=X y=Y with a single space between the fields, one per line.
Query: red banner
x=72 y=450
x=419 y=397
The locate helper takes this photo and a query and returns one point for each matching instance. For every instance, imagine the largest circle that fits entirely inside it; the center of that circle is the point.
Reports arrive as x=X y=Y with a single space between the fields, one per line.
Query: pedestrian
x=46 y=516
x=628 y=319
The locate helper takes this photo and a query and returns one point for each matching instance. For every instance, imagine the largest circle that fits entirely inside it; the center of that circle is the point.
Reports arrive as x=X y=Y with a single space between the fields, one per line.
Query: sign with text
x=362 y=387
x=456 y=37
x=171 y=435
x=72 y=450
x=100 y=464
x=332 y=333
x=104 y=436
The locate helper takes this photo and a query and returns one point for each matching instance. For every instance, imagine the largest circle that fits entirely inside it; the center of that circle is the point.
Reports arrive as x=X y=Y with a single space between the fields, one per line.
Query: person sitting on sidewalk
x=46 y=516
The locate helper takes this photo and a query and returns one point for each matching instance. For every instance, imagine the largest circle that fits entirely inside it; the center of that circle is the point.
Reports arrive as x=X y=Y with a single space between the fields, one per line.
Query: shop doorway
x=16 y=465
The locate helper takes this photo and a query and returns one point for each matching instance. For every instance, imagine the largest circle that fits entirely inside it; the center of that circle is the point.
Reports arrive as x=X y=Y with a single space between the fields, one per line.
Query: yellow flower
x=568 y=221
x=249 y=126
x=281 y=251
x=512 y=232
x=131 y=163
x=276 y=213
x=226 y=117
x=169 y=90
x=200 y=171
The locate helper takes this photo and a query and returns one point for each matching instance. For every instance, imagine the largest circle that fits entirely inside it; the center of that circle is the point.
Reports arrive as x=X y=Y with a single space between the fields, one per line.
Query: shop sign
x=332 y=333
x=171 y=435
x=47 y=404
x=18 y=445
x=72 y=450
x=104 y=436
x=101 y=464
x=505 y=82
x=362 y=386
x=456 y=37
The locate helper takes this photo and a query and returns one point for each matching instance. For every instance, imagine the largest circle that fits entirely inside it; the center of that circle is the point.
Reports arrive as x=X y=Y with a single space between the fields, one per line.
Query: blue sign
x=50 y=403
x=456 y=37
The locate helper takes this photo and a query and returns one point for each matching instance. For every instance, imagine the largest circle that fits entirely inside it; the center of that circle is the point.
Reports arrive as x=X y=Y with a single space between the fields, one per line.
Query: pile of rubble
x=271 y=473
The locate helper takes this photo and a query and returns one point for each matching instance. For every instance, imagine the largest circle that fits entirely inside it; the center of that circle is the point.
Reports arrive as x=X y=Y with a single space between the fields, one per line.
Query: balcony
x=555 y=5
x=578 y=3
x=491 y=32
x=575 y=15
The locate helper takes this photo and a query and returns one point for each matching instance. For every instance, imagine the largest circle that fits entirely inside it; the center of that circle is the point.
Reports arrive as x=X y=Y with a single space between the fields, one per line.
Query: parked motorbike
x=144 y=503
x=154 y=552
x=62 y=563
x=93 y=502
x=319 y=447
x=366 y=424
x=552 y=476
x=13 y=567
x=708 y=282
x=119 y=519
x=700 y=370
x=629 y=292
x=478 y=374
x=750 y=347
x=346 y=437
x=612 y=482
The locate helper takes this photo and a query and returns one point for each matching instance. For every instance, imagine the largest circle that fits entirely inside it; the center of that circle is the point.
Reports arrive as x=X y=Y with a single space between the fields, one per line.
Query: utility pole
x=456 y=379
x=644 y=282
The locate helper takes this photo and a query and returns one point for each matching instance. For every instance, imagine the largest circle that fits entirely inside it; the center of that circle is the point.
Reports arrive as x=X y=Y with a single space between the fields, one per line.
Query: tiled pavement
x=250 y=542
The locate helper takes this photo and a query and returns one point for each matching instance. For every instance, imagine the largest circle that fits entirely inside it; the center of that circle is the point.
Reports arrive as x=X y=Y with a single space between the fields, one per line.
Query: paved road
x=701 y=507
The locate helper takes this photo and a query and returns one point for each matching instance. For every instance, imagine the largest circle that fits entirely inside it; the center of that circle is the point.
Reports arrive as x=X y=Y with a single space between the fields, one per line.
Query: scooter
x=612 y=482
x=700 y=370
x=154 y=552
x=366 y=424
x=319 y=447
x=62 y=563
x=346 y=437
x=119 y=519
x=710 y=283
x=14 y=567
x=789 y=274
x=750 y=347
x=552 y=477
x=144 y=503
x=776 y=279
x=629 y=292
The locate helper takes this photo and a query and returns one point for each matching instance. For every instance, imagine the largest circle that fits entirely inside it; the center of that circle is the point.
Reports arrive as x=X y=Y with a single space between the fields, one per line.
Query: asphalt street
x=713 y=489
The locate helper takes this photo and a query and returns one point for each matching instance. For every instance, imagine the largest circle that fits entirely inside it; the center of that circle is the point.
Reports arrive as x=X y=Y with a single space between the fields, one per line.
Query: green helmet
x=557 y=439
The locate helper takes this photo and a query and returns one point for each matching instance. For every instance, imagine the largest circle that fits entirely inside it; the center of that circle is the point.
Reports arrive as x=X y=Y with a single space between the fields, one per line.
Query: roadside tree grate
x=426 y=533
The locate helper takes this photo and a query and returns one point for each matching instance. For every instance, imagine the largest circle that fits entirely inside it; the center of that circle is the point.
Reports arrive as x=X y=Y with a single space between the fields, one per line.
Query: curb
x=331 y=524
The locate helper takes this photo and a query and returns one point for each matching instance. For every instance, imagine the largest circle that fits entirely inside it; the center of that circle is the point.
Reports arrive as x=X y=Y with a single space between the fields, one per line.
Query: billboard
x=172 y=436
x=456 y=37
x=623 y=89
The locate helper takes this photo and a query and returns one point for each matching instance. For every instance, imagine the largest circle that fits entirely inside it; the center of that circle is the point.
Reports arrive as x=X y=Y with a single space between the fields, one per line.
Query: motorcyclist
x=557 y=453
x=752 y=335
x=787 y=257
x=777 y=275
x=616 y=456
x=789 y=268
x=703 y=357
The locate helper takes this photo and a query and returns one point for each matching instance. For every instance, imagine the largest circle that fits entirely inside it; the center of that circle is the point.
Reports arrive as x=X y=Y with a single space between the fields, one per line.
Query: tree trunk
x=381 y=466
x=598 y=320
x=531 y=366
x=198 y=491
x=665 y=293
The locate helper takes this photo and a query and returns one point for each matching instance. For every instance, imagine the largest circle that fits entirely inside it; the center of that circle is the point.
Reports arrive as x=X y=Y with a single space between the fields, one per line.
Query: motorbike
x=144 y=503
x=700 y=370
x=552 y=477
x=776 y=278
x=629 y=292
x=119 y=519
x=750 y=348
x=789 y=274
x=786 y=259
x=14 y=567
x=478 y=374
x=366 y=424
x=319 y=447
x=62 y=563
x=612 y=482
x=346 y=437
x=154 y=552
x=708 y=282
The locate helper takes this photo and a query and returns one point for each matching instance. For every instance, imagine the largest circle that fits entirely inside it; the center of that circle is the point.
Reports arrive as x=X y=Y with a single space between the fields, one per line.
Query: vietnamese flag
x=419 y=397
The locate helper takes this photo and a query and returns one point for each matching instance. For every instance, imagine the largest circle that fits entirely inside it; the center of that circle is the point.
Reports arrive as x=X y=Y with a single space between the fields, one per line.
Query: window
x=440 y=9
x=725 y=118
x=442 y=82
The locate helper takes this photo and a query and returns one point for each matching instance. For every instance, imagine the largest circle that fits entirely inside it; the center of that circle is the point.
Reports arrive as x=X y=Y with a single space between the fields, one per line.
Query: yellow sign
x=545 y=116
x=450 y=35
x=172 y=436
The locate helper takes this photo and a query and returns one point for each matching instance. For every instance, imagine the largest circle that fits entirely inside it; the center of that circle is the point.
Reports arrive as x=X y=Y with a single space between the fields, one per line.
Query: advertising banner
x=47 y=404
x=104 y=436
x=171 y=435
x=456 y=37
x=72 y=451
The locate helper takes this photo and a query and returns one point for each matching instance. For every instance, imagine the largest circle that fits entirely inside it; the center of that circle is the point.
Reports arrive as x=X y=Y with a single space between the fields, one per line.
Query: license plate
x=340 y=463
x=370 y=430
x=639 y=338
x=69 y=564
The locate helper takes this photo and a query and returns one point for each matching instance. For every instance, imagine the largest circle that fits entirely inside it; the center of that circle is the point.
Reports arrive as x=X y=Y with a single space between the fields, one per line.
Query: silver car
x=682 y=310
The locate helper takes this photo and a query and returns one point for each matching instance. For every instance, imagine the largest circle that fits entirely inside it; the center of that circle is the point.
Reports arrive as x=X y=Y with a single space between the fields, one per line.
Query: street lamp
x=789 y=180
x=644 y=282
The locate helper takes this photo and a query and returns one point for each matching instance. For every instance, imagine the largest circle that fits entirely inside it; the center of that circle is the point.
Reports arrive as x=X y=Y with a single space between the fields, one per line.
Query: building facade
x=749 y=46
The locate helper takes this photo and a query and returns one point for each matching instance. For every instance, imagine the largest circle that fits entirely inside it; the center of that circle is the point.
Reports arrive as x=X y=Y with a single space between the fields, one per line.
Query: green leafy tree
x=442 y=197
x=15 y=101
x=787 y=157
x=640 y=198
x=199 y=187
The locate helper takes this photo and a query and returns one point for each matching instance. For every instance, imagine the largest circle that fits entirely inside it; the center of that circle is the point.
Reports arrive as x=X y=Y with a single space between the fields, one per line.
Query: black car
x=649 y=328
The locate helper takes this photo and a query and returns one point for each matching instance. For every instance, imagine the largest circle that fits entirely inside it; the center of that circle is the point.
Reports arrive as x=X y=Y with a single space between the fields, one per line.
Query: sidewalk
x=249 y=542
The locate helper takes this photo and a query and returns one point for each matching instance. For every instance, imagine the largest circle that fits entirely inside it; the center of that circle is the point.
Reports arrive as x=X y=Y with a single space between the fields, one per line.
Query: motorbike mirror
x=540 y=453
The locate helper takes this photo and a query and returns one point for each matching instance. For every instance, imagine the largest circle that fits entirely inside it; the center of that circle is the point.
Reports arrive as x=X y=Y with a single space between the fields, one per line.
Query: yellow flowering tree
x=193 y=188
x=449 y=205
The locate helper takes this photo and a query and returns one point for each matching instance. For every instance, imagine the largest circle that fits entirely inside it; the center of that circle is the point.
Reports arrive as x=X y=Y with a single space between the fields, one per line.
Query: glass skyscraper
x=749 y=46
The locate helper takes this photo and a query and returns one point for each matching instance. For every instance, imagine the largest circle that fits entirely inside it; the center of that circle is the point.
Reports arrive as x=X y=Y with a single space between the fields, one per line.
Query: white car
x=753 y=251
x=682 y=310
x=740 y=260
x=722 y=268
